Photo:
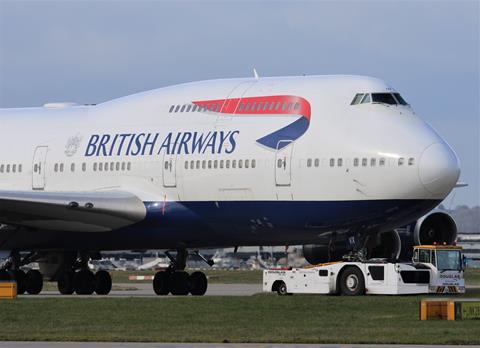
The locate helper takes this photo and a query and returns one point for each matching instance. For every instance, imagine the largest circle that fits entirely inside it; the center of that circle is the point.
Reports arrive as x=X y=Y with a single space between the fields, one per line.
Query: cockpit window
x=366 y=99
x=357 y=99
x=384 y=98
x=399 y=98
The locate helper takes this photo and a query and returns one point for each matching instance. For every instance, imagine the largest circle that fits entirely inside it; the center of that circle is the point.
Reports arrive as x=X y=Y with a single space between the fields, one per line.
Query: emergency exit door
x=169 y=170
x=283 y=163
x=39 y=168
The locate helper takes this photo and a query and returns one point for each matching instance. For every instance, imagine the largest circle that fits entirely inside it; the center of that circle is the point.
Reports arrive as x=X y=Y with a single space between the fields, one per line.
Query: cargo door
x=283 y=163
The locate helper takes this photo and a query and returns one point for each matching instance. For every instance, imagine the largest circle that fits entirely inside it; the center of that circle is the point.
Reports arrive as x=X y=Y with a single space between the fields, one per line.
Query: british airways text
x=147 y=144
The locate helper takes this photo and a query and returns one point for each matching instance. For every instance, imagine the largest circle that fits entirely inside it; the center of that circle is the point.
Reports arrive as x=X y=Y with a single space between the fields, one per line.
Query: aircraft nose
x=439 y=168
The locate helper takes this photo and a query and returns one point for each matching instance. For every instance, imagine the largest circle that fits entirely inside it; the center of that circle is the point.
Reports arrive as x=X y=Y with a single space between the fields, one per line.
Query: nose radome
x=439 y=169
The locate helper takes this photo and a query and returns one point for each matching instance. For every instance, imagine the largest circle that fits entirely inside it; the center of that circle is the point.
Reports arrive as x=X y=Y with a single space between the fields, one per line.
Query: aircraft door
x=39 y=167
x=283 y=163
x=169 y=170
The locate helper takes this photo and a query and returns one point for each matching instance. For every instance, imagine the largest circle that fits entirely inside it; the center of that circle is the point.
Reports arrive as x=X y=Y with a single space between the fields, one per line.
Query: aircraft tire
x=352 y=282
x=19 y=276
x=180 y=284
x=161 y=283
x=84 y=281
x=65 y=283
x=198 y=283
x=103 y=282
x=33 y=282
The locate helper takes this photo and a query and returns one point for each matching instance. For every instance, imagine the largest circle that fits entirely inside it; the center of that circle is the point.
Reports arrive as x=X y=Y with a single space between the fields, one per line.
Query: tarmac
x=146 y=290
x=195 y=345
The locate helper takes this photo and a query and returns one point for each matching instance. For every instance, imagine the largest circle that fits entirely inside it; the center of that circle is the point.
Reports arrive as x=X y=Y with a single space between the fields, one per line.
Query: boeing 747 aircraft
x=339 y=164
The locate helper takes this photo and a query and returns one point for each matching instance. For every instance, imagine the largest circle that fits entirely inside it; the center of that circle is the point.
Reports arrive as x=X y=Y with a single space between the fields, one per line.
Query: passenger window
x=241 y=106
x=129 y=166
x=221 y=164
x=72 y=167
x=186 y=164
x=284 y=106
x=339 y=162
x=117 y=166
x=95 y=167
x=247 y=106
x=171 y=109
x=215 y=164
x=105 y=167
x=183 y=108
x=189 y=106
x=177 y=108
x=234 y=163
x=317 y=162
x=2 y=167
x=198 y=164
x=194 y=108
x=253 y=163
x=411 y=161
x=357 y=98
x=8 y=168
x=279 y=163
x=290 y=106
x=209 y=164
x=260 y=105
x=204 y=164
x=332 y=162
x=364 y=162
x=19 y=168
x=254 y=105
x=247 y=163
x=297 y=106
x=123 y=165
x=61 y=167
x=277 y=107
x=309 y=162
x=227 y=164
x=55 y=168
x=355 y=162
x=14 y=168
x=382 y=162
x=100 y=167
x=265 y=106
x=401 y=160
x=373 y=162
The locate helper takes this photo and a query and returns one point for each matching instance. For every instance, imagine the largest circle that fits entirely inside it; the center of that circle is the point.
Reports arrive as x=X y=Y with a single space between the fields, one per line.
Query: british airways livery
x=339 y=164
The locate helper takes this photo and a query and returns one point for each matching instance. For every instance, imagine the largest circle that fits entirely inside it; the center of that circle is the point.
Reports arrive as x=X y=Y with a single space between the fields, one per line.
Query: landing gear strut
x=176 y=281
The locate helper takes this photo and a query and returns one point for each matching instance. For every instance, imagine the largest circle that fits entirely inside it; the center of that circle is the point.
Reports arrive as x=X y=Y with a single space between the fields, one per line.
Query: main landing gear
x=30 y=282
x=176 y=281
x=83 y=281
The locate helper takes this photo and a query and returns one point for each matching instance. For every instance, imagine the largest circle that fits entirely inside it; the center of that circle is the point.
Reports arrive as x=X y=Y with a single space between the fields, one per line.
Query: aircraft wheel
x=180 y=283
x=19 y=276
x=352 y=282
x=161 y=283
x=65 y=283
x=84 y=282
x=103 y=282
x=198 y=283
x=282 y=289
x=33 y=282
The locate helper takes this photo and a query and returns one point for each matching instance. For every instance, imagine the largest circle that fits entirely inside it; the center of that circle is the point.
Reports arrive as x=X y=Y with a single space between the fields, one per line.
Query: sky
x=93 y=51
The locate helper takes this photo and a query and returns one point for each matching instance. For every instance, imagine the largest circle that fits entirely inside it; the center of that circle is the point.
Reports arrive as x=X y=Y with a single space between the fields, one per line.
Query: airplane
x=339 y=164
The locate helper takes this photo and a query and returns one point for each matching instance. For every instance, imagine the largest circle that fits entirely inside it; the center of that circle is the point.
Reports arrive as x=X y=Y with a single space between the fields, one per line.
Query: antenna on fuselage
x=255 y=74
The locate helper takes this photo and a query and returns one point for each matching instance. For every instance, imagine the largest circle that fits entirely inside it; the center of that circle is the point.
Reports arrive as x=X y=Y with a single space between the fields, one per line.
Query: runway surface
x=146 y=290
x=194 y=345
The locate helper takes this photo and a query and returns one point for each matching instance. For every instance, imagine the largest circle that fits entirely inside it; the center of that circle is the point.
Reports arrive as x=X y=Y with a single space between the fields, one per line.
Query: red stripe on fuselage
x=265 y=105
